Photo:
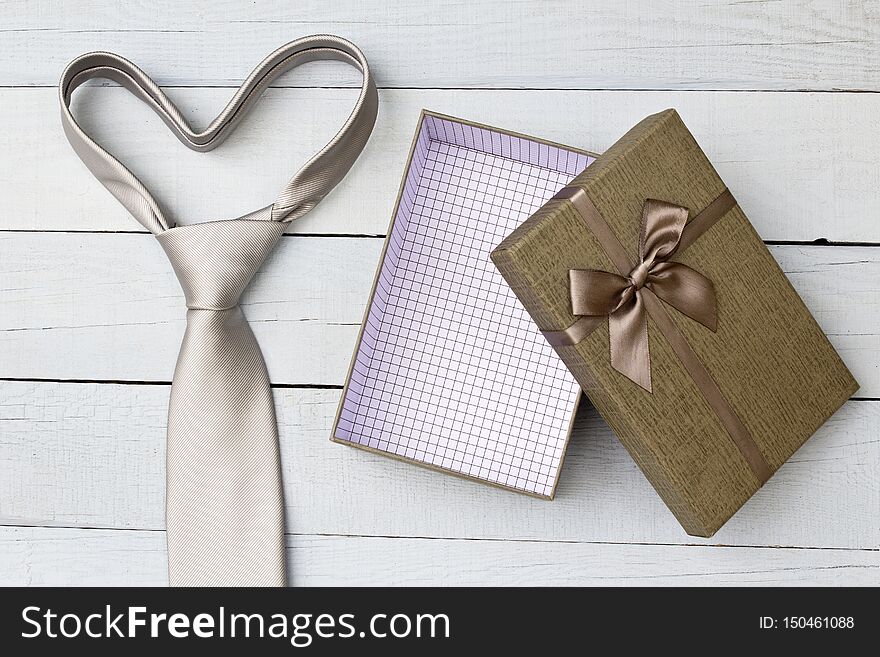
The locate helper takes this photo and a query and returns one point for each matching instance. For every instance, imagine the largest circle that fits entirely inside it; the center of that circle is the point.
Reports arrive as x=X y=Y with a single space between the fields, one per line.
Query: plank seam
x=61 y=231
x=127 y=382
x=231 y=86
x=280 y=386
x=477 y=539
x=819 y=241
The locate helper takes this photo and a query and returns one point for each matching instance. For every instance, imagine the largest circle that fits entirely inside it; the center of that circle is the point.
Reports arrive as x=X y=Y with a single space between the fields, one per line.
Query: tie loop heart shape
x=307 y=187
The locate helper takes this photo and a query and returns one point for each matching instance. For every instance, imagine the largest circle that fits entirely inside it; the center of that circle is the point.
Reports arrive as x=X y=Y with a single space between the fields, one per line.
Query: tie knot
x=214 y=261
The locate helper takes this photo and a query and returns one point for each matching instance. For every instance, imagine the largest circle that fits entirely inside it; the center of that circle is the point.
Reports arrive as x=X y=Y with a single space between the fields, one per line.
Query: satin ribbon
x=635 y=292
x=596 y=293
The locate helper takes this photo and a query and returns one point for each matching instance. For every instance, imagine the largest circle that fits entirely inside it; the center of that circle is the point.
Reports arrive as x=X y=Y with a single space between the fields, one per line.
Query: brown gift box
x=726 y=407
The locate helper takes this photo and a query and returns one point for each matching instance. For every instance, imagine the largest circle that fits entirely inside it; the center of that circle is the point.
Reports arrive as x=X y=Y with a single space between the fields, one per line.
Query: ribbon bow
x=598 y=293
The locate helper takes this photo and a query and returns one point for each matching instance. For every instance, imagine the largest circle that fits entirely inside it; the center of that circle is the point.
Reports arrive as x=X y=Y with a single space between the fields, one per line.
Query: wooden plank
x=108 y=307
x=803 y=44
x=305 y=308
x=77 y=557
x=804 y=166
x=92 y=455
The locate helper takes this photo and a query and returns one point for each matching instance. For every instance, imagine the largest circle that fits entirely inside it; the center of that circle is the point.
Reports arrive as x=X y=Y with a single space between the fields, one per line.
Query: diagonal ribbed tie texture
x=224 y=509
x=224 y=499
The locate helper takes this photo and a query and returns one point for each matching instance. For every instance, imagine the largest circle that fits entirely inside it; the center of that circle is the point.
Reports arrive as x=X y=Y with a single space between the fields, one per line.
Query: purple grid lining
x=451 y=371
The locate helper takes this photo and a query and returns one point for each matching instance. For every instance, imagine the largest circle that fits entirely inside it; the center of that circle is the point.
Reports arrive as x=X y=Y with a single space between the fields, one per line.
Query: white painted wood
x=84 y=306
x=804 y=166
x=799 y=44
x=108 y=307
x=64 y=294
x=92 y=455
x=77 y=557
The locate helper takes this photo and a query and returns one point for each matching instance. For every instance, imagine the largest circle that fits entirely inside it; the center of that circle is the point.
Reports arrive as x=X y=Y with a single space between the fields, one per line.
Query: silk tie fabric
x=224 y=501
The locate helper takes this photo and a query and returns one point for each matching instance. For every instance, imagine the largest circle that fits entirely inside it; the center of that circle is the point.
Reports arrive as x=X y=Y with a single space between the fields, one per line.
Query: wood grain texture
x=55 y=557
x=92 y=455
x=631 y=44
x=803 y=166
x=108 y=307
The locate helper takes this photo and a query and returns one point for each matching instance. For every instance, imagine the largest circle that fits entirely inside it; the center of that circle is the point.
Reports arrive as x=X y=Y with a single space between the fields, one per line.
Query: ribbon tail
x=628 y=336
x=686 y=290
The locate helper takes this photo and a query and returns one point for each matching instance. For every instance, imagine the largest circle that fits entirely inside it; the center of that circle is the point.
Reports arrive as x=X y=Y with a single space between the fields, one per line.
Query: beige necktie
x=224 y=503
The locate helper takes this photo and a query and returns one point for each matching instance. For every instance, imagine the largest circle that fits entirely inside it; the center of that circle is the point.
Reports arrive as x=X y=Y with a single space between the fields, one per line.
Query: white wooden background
x=782 y=95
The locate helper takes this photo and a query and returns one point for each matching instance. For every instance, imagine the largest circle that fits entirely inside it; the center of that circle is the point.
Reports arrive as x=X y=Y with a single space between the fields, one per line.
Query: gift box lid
x=657 y=293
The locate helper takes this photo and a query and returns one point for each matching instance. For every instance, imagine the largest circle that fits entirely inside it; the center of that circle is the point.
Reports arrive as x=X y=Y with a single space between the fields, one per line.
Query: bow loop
x=686 y=290
x=599 y=293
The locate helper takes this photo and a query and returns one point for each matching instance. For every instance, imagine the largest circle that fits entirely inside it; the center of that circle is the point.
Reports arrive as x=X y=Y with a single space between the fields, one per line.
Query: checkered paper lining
x=450 y=370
